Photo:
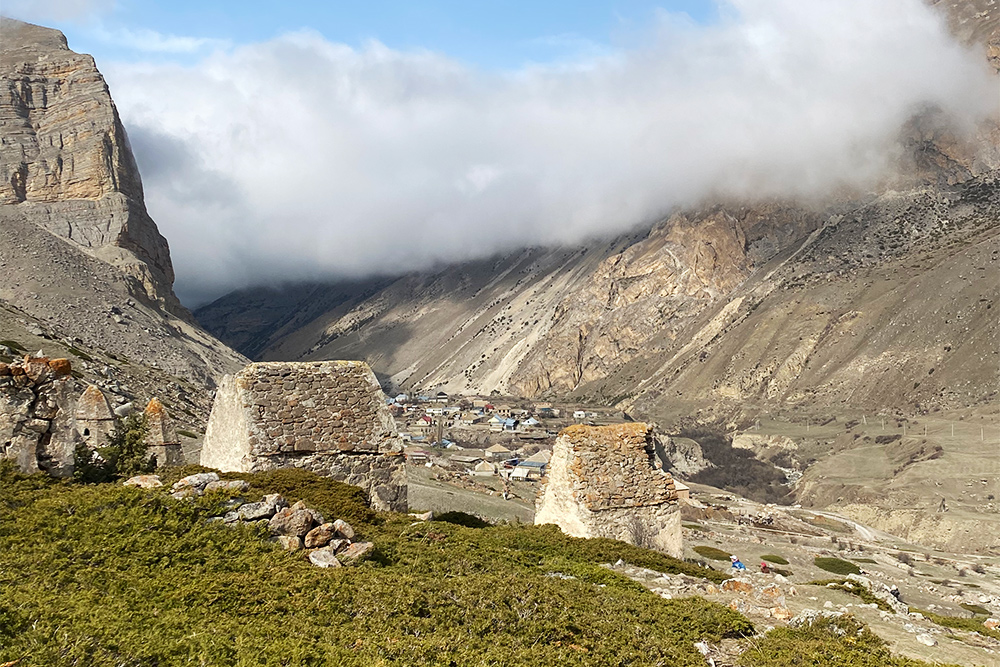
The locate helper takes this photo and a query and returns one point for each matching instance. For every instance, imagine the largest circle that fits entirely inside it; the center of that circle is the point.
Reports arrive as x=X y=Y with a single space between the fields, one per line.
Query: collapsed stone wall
x=607 y=481
x=329 y=417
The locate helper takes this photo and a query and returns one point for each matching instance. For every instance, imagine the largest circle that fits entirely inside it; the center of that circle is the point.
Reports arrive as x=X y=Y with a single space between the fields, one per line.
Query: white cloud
x=151 y=41
x=300 y=158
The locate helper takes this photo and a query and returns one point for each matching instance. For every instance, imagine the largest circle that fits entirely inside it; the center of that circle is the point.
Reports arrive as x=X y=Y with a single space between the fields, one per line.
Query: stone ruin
x=161 y=438
x=37 y=420
x=326 y=416
x=609 y=481
x=44 y=416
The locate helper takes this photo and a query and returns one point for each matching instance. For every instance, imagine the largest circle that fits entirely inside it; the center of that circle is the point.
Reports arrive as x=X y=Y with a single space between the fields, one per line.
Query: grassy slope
x=105 y=575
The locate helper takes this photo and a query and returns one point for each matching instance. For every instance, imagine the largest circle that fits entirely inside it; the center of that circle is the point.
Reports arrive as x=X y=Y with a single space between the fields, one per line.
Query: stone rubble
x=295 y=527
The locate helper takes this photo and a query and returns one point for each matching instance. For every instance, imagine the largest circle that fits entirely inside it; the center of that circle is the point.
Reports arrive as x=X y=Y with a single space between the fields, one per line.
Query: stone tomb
x=326 y=416
x=162 y=442
x=607 y=481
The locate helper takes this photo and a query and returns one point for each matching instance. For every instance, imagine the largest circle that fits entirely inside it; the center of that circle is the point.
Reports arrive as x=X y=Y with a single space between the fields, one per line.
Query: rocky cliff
x=65 y=160
x=84 y=272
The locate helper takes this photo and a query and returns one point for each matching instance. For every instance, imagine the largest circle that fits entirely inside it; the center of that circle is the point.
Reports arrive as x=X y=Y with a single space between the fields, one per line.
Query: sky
x=302 y=141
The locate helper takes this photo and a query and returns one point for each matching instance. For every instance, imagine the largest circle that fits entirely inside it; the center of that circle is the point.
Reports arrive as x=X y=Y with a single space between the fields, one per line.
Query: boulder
x=198 y=481
x=276 y=500
x=355 y=551
x=343 y=529
x=320 y=536
x=144 y=481
x=255 y=511
x=926 y=639
x=228 y=485
x=289 y=542
x=992 y=623
x=324 y=557
x=287 y=521
x=737 y=586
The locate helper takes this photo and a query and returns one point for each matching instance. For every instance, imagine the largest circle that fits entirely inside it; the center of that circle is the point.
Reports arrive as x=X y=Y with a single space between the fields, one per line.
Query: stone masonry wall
x=606 y=481
x=329 y=417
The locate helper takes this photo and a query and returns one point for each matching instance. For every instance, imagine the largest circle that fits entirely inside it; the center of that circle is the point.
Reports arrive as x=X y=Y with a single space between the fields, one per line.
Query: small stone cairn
x=295 y=527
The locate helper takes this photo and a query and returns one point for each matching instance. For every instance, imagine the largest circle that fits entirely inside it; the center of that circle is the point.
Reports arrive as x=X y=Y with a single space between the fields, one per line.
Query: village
x=495 y=446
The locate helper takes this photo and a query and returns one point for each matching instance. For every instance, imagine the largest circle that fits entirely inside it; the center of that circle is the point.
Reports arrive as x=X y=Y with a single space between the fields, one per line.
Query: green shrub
x=14 y=345
x=80 y=354
x=774 y=558
x=975 y=609
x=836 y=565
x=712 y=553
x=854 y=589
x=959 y=623
x=837 y=642
x=695 y=526
x=462 y=519
x=868 y=561
x=188 y=434
x=107 y=575
x=124 y=455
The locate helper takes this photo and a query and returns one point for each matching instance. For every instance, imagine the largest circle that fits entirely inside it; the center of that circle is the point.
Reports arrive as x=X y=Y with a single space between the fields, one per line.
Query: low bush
x=975 y=609
x=854 y=589
x=774 y=558
x=462 y=519
x=101 y=574
x=959 y=623
x=123 y=456
x=836 y=565
x=712 y=553
x=841 y=642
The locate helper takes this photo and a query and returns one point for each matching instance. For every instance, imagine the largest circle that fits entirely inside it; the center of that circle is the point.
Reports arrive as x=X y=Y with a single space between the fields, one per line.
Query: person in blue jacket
x=737 y=565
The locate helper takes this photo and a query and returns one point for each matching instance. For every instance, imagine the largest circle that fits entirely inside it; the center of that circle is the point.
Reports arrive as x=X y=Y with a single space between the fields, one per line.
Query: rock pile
x=295 y=527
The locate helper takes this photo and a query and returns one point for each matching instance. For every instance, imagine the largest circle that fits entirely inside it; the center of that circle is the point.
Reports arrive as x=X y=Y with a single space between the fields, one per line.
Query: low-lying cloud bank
x=300 y=158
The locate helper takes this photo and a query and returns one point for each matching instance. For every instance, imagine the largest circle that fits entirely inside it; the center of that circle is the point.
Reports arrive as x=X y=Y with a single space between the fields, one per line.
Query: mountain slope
x=82 y=265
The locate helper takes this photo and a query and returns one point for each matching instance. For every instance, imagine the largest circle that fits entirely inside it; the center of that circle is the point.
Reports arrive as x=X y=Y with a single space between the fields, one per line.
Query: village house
x=498 y=452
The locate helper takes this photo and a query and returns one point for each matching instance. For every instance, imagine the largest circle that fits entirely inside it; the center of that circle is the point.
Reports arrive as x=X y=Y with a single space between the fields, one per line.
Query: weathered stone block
x=247 y=433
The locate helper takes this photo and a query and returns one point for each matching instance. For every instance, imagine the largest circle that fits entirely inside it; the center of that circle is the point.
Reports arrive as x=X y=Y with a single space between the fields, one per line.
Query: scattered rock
x=144 y=481
x=343 y=529
x=324 y=557
x=737 y=586
x=356 y=551
x=287 y=521
x=289 y=542
x=992 y=623
x=198 y=482
x=230 y=485
x=426 y=516
x=926 y=639
x=320 y=536
x=256 y=511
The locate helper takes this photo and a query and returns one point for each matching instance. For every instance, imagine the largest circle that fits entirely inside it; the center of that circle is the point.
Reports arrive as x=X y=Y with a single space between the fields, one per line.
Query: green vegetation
x=854 y=589
x=123 y=456
x=840 y=642
x=695 y=526
x=868 y=561
x=774 y=558
x=712 y=553
x=462 y=519
x=187 y=434
x=738 y=470
x=959 y=623
x=80 y=354
x=14 y=345
x=100 y=574
x=836 y=565
x=975 y=609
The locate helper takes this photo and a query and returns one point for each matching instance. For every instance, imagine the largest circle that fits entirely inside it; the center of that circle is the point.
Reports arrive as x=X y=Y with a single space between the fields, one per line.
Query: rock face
x=329 y=417
x=37 y=415
x=65 y=159
x=606 y=481
x=83 y=264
